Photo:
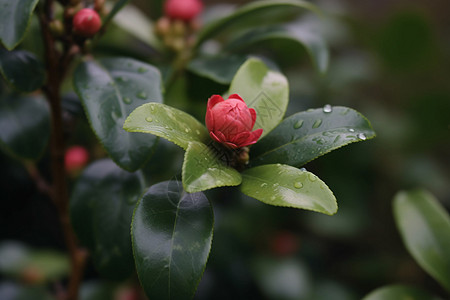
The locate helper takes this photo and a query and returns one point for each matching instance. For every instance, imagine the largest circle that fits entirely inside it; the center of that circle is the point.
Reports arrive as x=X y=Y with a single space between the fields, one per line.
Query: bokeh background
x=390 y=60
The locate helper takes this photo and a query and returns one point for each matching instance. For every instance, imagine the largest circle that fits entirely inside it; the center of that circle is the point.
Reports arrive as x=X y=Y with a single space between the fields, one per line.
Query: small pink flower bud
x=75 y=159
x=86 y=22
x=185 y=10
x=230 y=121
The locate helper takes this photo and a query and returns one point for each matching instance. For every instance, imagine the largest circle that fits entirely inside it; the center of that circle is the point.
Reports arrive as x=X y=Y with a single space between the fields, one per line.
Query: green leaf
x=399 y=292
x=314 y=44
x=204 y=168
x=425 y=228
x=167 y=122
x=255 y=14
x=22 y=70
x=220 y=69
x=116 y=8
x=15 y=16
x=307 y=135
x=283 y=185
x=172 y=233
x=110 y=90
x=25 y=123
x=101 y=209
x=13 y=291
x=264 y=90
x=136 y=23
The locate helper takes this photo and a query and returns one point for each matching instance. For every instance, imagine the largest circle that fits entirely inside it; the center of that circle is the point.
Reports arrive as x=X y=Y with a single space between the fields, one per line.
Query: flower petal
x=209 y=120
x=242 y=138
x=214 y=137
x=254 y=136
x=253 y=114
x=235 y=96
x=213 y=100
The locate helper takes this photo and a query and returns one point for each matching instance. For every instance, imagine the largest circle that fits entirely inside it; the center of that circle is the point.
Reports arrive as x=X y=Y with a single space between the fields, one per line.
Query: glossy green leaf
x=399 y=292
x=220 y=69
x=116 y=8
x=206 y=168
x=15 y=16
x=425 y=228
x=166 y=122
x=136 y=23
x=255 y=14
x=307 y=135
x=25 y=124
x=22 y=70
x=283 y=185
x=314 y=44
x=101 y=209
x=110 y=89
x=172 y=233
x=264 y=90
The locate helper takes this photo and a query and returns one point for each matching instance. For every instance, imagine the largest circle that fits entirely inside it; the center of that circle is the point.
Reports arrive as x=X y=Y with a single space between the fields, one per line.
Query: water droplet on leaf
x=312 y=177
x=142 y=70
x=317 y=123
x=149 y=119
x=362 y=136
x=127 y=100
x=327 y=108
x=298 y=124
x=142 y=95
x=351 y=130
x=298 y=185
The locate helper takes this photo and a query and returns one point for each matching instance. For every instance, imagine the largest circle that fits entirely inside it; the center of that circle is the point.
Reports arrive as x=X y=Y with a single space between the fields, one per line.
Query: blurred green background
x=390 y=60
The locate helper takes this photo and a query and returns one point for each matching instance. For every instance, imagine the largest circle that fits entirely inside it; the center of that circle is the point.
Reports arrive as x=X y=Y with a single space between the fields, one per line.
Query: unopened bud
x=56 y=28
x=163 y=26
x=86 y=22
x=179 y=28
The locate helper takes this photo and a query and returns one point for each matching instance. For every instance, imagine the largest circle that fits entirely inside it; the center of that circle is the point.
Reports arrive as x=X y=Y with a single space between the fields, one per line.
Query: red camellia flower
x=230 y=121
x=183 y=9
x=76 y=158
x=86 y=22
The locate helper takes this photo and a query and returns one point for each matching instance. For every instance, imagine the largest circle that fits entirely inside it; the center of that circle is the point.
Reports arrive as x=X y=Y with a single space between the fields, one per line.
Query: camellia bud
x=230 y=122
x=86 y=22
x=185 y=10
x=75 y=159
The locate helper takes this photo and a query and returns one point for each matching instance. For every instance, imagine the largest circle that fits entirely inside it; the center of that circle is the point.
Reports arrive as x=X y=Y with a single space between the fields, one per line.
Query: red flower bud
x=86 y=22
x=76 y=158
x=183 y=9
x=230 y=121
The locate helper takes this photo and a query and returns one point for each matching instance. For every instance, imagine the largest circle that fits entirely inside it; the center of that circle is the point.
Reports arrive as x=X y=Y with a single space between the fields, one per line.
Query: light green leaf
x=115 y=9
x=314 y=44
x=283 y=185
x=101 y=209
x=136 y=23
x=254 y=14
x=110 y=89
x=172 y=233
x=264 y=90
x=425 y=228
x=15 y=16
x=399 y=292
x=22 y=70
x=307 y=135
x=206 y=168
x=220 y=69
x=167 y=122
x=25 y=125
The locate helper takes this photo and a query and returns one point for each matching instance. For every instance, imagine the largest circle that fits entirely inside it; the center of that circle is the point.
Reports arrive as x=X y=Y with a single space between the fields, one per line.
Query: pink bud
x=86 y=22
x=183 y=9
x=76 y=158
x=230 y=121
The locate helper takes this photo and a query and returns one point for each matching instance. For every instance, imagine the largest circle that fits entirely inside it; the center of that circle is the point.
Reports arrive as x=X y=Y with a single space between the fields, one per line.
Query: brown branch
x=52 y=89
x=42 y=185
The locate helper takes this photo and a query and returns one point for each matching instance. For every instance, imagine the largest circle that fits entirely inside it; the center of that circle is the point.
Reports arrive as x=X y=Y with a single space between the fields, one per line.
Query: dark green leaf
x=314 y=44
x=110 y=90
x=307 y=135
x=172 y=234
x=22 y=70
x=203 y=168
x=399 y=292
x=283 y=185
x=15 y=16
x=220 y=69
x=425 y=228
x=25 y=124
x=264 y=90
x=101 y=209
x=166 y=122
x=255 y=14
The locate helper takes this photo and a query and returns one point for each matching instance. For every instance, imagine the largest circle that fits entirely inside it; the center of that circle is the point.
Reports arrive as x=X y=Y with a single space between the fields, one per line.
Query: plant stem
x=56 y=69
